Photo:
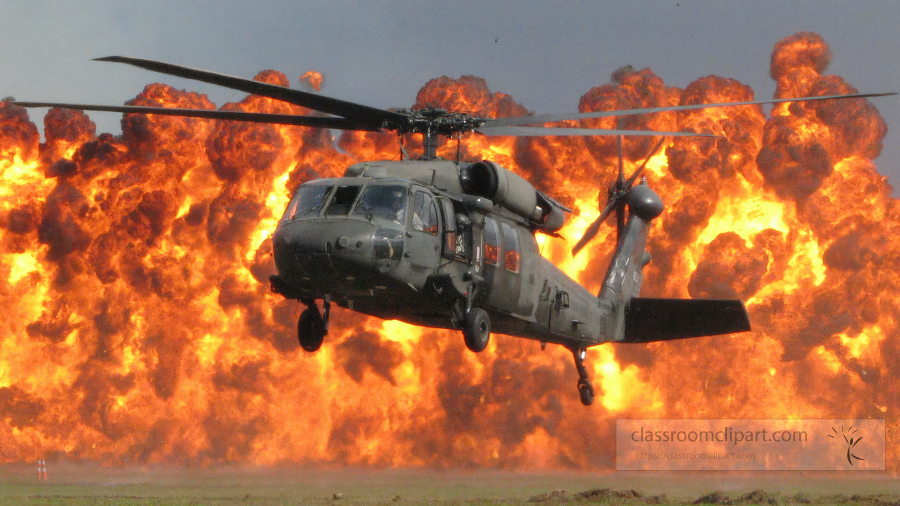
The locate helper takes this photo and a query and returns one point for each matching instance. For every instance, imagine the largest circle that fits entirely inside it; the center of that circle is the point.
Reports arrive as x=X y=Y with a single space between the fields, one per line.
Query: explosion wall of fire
x=138 y=325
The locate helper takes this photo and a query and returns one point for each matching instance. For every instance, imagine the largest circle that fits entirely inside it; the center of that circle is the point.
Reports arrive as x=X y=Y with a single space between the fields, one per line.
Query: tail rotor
x=615 y=199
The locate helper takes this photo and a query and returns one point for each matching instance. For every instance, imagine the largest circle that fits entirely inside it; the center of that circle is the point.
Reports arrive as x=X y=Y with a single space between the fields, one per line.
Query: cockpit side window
x=308 y=201
x=382 y=201
x=291 y=210
x=342 y=201
x=424 y=218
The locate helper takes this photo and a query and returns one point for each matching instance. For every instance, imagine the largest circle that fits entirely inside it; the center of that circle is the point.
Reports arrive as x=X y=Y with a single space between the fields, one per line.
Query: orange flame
x=138 y=326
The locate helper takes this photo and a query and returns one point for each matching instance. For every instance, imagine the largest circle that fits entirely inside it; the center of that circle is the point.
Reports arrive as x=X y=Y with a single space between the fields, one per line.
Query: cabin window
x=308 y=201
x=491 y=242
x=387 y=202
x=450 y=230
x=342 y=201
x=424 y=218
x=511 y=258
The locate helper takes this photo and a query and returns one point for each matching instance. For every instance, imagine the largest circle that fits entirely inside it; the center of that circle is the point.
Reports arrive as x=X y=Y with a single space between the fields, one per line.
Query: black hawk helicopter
x=451 y=244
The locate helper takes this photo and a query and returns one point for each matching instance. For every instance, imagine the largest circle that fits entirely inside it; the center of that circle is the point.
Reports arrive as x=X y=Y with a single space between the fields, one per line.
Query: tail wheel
x=311 y=330
x=477 y=329
x=586 y=391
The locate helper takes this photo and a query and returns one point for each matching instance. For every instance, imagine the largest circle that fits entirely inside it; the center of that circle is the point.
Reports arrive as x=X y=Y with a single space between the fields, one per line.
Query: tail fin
x=649 y=320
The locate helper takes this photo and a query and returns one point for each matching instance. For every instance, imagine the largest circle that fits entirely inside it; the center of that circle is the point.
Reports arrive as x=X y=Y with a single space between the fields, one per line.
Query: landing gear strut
x=585 y=390
x=312 y=326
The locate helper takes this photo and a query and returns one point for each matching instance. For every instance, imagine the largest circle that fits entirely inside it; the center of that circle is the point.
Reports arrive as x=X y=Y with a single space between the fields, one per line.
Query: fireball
x=138 y=325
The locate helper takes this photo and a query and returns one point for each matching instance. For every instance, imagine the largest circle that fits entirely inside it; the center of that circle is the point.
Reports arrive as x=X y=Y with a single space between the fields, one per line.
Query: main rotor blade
x=254 y=117
x=550 y=118
x=592 y=229
x=356 y=113
x=562 y=131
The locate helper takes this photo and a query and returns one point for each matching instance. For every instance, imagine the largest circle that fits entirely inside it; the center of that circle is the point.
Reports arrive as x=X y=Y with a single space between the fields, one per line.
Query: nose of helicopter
x=334 y=254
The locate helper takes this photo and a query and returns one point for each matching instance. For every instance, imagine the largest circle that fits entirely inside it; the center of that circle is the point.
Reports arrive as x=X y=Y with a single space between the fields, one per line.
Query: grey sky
x=545 y=54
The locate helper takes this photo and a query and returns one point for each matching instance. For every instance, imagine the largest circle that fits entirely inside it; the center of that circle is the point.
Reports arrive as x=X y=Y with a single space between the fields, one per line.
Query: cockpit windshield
x=342 y=201
x=383 y=201
x=307 y=202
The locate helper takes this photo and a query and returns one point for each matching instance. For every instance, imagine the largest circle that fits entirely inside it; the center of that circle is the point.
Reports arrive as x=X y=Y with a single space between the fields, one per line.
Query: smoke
x=139 y=327
x=312 y=81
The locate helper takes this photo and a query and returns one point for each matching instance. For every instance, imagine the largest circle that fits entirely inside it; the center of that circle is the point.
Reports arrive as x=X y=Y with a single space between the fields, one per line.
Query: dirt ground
x=88 y=483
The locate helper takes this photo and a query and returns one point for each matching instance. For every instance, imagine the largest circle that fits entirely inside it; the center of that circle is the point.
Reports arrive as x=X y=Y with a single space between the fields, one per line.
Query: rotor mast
x=431 y=122
x=429 y=144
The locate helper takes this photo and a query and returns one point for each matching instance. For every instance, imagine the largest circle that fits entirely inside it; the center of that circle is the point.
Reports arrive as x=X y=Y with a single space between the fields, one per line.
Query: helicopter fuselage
x=452 y=245
x=395 y=248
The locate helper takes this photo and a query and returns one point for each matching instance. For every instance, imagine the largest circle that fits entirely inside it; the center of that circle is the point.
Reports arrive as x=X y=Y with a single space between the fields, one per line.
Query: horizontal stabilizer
x=649 y=320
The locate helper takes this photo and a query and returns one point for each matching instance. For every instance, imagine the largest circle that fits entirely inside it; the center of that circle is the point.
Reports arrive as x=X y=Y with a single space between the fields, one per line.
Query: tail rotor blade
x=592 y=229
x=621 y=179
x=620 y=188
x=617 y=196
x=633 y=178
x=620 y=218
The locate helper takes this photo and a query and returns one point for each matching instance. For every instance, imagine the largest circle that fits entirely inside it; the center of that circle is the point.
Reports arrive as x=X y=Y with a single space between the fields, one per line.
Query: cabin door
x=559 y=308
x=424 y=239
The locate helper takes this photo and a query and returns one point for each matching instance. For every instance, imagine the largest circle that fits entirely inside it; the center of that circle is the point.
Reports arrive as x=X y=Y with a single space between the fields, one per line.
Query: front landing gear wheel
x=477 y=329
x=586 y=391
x=311 y=330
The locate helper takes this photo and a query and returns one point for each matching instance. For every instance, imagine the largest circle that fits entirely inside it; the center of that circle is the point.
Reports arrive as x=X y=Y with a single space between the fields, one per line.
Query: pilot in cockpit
x=396 y=206
x=386 y=202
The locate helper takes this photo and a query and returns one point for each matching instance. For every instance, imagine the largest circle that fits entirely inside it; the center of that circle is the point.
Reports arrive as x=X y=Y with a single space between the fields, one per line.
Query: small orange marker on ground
x=42 y=470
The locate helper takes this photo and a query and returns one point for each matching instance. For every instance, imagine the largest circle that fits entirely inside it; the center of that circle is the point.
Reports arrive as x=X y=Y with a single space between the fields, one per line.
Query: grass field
x=90 y=484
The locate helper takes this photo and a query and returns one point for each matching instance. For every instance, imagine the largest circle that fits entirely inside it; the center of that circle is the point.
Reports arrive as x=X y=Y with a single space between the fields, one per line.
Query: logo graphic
x=849 y=440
